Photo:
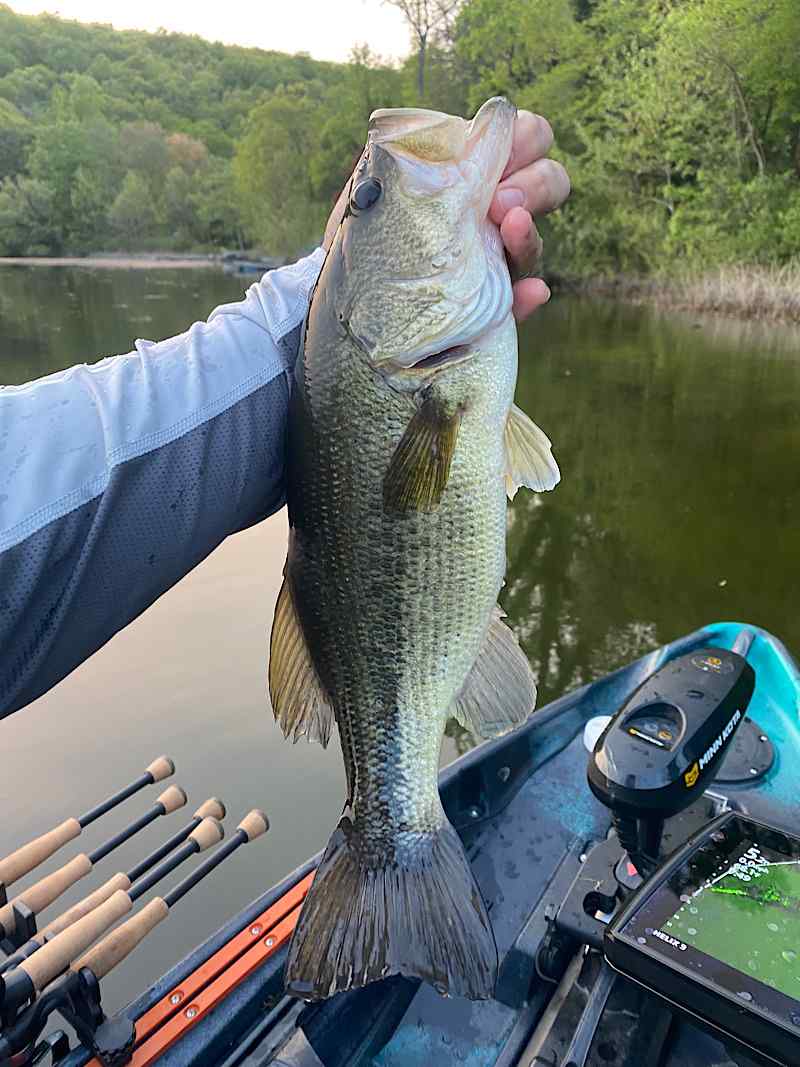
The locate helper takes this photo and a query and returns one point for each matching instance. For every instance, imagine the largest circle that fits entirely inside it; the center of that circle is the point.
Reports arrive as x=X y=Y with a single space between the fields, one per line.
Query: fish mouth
x=454 y=354
x=409 y=378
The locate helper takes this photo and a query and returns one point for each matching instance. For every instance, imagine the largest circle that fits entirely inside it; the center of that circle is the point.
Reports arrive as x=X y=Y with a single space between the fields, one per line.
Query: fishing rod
x=18 y=916
x=76 y=993
x=197 y=836
x=29 y=856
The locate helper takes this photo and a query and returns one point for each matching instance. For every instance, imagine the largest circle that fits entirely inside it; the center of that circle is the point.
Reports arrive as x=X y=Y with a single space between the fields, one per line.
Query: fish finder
x=716 y=932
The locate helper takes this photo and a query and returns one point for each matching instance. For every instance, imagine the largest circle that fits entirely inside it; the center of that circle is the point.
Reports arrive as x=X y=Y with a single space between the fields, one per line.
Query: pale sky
x=327 y=29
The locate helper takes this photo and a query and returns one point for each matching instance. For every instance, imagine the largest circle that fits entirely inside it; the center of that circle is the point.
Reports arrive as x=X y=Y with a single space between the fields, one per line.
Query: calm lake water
x=680 y=504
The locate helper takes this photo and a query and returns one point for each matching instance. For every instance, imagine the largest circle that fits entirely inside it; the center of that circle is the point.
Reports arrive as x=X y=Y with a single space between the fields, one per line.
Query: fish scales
x=403 y=441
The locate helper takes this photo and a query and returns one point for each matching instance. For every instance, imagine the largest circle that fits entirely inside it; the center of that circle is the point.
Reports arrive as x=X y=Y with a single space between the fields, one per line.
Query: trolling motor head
x=666 y=744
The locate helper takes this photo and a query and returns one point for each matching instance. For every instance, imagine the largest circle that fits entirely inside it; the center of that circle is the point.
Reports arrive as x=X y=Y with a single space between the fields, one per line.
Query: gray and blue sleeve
x=117 y=478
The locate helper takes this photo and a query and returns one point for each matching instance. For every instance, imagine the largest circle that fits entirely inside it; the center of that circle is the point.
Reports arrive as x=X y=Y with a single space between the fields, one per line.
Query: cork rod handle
x=83 y=907
x=37 y=851
x=172 y=798
x=161 y=768
x=115 y=946
x=40 y=895
x=54 y=957
x=213 y=807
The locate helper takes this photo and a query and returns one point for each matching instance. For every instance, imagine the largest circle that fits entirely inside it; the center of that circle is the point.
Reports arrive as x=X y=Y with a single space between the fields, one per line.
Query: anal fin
x=299 y=702
x=529 y=459
x=500 y=692
x=418 y=471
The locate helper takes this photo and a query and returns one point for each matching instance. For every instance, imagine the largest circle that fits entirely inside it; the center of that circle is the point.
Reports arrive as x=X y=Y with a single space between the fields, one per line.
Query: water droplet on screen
x=685 y=898
x=752 y=965
x=773 y=927
x=745 y=995
x=789 y=955
x=692 y=931
x=693 y=911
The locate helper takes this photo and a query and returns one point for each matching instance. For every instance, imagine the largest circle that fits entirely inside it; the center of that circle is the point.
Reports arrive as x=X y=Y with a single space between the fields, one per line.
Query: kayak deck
x=525 y=813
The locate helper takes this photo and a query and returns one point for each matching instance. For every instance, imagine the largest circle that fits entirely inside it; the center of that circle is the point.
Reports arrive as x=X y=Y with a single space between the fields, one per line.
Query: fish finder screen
x=746 y=914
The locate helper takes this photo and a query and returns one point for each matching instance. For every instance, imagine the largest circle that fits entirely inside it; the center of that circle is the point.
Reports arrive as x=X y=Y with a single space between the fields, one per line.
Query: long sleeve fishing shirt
x=119 y=477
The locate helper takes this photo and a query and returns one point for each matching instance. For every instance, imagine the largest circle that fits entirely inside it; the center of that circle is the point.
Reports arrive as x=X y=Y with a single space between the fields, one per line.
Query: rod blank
x=29 y=856
x=213 y=808
x=117 y=945
x=54 y=957
x=159 y=769
x=197 y=836
x=48 y=889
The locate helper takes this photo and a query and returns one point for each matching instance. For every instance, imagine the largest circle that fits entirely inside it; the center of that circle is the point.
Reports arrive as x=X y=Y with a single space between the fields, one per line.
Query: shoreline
x=753 y=294
x=123 y=261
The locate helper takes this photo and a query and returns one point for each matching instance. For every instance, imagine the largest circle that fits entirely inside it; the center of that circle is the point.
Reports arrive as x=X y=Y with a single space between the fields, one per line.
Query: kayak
x=527 y=818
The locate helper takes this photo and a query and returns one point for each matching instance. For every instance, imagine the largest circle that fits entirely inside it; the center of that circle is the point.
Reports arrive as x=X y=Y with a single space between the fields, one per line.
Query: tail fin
x=423 y=917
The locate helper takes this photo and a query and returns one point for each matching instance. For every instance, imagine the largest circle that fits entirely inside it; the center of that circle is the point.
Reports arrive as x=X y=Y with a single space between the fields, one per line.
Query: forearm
x=117 y=479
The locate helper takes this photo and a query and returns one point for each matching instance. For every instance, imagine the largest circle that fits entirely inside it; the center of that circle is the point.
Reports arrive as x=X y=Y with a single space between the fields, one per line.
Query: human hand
x=531 y=185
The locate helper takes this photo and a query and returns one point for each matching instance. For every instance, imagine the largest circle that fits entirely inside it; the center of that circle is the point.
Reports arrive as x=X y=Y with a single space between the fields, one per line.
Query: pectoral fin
x=419 y=469
x=499 y=693
x=529 y=460
x=299 y=702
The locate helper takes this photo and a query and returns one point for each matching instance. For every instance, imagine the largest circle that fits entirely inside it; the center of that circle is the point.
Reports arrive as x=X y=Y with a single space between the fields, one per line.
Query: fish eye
x=365 y=194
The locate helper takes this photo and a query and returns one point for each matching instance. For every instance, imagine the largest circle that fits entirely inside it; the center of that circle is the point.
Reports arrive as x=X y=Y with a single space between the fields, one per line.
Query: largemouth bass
x=403 y=442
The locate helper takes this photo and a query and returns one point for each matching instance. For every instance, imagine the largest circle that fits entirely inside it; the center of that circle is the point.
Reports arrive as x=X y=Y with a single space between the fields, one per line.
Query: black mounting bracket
x=24 y=928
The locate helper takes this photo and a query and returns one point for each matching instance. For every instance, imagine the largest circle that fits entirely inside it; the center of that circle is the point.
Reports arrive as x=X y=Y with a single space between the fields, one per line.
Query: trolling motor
x=656 y=756
x=664 y=746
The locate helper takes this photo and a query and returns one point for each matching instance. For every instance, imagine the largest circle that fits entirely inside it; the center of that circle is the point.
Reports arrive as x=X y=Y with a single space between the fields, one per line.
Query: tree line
x=679 y=122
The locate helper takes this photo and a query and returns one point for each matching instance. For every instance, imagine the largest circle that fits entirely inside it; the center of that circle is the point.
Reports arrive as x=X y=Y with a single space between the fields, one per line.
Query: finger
x=529 y=294
x=521 y=240
x=532 y=139
x=540 y=187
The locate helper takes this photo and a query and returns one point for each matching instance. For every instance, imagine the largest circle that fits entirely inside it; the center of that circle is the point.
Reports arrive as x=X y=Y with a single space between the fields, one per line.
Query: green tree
x=15 y=137
x=279 y=204
x=29 y=223
x=133 y=214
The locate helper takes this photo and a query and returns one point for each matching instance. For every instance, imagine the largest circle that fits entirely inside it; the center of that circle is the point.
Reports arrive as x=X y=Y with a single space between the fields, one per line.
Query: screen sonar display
x=746 y=914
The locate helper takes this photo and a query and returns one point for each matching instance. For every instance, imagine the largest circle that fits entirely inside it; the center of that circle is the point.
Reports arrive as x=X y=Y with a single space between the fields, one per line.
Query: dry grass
x=765 y=293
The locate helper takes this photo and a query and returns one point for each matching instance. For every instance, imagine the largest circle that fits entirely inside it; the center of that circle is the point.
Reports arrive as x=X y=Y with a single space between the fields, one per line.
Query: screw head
x=269 y=942
x=255 y=930
x=191 y=1011
x=176 y=997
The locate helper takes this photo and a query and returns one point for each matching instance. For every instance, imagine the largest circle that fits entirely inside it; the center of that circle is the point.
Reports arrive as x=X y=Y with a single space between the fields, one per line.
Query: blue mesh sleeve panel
x=116 y=478
x=71 y=585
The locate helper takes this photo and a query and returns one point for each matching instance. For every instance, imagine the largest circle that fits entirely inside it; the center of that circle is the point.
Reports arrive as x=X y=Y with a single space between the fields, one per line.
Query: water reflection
x=680 y=497
x=680 y=504
x=53 y=317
